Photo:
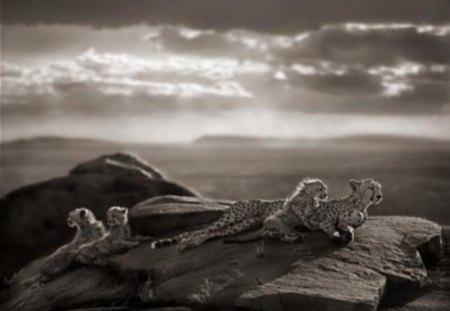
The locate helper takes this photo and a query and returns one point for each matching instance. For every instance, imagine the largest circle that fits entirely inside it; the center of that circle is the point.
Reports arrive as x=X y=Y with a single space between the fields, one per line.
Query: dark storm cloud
x=374 y=44
x=282 y=16
x=348 y=84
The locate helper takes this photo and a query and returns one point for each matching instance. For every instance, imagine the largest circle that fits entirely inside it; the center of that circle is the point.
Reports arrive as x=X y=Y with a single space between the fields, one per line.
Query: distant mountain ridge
x=351 y=139
x=229 y=140
x=55 y=140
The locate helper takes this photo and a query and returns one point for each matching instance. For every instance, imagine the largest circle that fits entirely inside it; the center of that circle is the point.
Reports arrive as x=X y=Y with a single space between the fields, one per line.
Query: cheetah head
x=117 y=216
x=80 y=216
x=314 y=187
x=367 y=190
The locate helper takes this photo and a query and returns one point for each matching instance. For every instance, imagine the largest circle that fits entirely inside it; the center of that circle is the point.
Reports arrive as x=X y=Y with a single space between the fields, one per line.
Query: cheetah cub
x=118 y=239
x=340 y=217
x=296 y=210
x=88 y=229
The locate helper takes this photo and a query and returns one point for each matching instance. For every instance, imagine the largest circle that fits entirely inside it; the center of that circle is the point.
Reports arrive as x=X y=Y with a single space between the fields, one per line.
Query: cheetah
x=88 y=229
x=117 y=240
x=241 y=216
x=339 y=218
x=284 y=223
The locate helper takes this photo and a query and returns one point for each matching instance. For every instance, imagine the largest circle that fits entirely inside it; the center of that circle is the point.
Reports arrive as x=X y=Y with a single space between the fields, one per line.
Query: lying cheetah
x=340 y=217
x=284 y=223
x=241 y=216
x=88 y=229
x=118 y=239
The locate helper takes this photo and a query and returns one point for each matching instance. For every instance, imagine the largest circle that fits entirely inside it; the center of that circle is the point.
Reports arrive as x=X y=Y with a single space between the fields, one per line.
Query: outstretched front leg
x=346 y=230
x=329 y=228
x=198 y=239
x=277 y=229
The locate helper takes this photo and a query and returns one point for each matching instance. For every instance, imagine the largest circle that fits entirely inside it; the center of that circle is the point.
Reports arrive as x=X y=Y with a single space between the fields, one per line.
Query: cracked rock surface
x=385 y=267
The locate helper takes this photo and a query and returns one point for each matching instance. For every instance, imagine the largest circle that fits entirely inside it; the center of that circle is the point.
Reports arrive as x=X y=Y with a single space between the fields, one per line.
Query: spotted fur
x=285 y=222
x=240 y=217
x=340 y=217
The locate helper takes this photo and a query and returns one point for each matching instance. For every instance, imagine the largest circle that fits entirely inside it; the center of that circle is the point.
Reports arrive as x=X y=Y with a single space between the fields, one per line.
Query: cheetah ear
x=82 y=213
x=354 y=184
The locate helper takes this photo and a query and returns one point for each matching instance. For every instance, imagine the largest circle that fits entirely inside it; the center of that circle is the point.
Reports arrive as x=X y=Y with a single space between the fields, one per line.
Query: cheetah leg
x=276 y=229
x=199 y=239
x=330 y=229
x=346 y=230
x=227 y=219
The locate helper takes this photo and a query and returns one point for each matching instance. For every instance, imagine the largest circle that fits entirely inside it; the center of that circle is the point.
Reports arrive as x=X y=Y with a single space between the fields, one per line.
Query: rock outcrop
x=118 y=163
x=33 y=218
x=385 y=266
x=167 y=214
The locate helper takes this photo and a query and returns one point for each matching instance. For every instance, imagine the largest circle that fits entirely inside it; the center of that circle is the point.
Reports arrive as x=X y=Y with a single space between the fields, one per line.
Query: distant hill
x=55 y=141
x=355 y=140
x=231 y=139
x=240 y=141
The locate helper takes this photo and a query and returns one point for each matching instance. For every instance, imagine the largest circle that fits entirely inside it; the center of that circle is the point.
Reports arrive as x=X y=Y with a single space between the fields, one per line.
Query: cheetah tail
x=166 y=242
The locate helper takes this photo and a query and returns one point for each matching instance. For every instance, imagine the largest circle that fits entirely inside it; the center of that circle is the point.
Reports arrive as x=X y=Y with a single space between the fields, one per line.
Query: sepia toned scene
x=225 y=155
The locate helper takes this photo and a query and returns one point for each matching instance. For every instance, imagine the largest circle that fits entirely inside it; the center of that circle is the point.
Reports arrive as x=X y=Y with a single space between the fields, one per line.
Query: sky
x=171 y=70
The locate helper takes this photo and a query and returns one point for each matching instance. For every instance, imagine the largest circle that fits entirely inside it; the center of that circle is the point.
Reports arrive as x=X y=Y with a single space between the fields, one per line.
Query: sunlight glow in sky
x=170 y=81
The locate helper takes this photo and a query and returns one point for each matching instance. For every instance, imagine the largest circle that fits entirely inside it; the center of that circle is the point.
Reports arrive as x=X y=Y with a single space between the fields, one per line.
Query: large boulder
x=118 y=163
x=385 y=266
x=33 y=218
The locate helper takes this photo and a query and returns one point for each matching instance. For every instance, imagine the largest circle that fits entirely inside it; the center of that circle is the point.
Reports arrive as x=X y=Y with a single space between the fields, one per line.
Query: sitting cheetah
x=338 y=218
x=284 y=223
x=88 y=229
x=118 y=239
x=241 y=216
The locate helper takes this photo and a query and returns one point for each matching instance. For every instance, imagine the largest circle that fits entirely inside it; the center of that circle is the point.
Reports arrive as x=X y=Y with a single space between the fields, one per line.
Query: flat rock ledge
x=386 y=266
x=166 y=214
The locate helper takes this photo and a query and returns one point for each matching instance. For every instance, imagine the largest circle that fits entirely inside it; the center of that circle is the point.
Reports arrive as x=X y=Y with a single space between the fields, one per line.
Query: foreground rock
x=33 y=218
x=384 y=266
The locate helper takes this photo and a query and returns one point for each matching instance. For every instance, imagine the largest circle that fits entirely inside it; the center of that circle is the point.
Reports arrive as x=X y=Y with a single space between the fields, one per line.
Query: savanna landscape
x=415 y=173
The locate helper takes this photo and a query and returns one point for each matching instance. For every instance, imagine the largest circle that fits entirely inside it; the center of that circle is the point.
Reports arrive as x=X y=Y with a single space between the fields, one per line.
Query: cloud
x=281 y=16
x=373 y=44
x=111 y=83
x=174 y=68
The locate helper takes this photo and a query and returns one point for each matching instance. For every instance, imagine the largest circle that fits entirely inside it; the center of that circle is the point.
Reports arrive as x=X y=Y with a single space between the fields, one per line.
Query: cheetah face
x=368 y=189
x=117 y=216
x=317 y=189
x=79 y=216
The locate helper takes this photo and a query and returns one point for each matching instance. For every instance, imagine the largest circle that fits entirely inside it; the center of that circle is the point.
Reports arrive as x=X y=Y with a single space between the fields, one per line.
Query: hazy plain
x=415 y=173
